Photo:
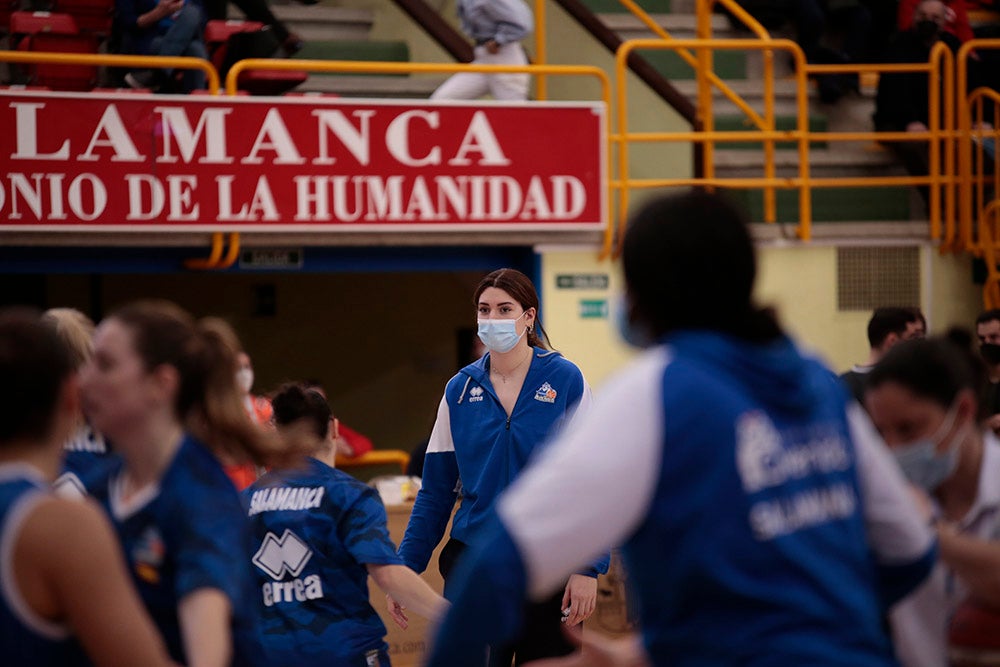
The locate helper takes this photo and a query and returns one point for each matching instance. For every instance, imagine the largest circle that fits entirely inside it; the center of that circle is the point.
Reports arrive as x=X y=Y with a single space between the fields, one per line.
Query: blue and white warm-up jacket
x=763 y=521
x=476 y=449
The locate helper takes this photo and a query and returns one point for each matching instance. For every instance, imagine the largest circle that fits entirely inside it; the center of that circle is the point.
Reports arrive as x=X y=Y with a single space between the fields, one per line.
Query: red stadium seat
x=93 y=16
x=257 y=82
x=52 y=32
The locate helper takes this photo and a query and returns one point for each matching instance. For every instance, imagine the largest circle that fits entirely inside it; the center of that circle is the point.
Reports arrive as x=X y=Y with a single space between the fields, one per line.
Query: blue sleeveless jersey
x=315 y=529
x=188 y=533
x=26 y=639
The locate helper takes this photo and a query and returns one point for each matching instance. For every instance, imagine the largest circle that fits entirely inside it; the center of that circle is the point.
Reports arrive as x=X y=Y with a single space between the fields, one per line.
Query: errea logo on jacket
x=546 y=394
x=286 y=555
x=475 y=394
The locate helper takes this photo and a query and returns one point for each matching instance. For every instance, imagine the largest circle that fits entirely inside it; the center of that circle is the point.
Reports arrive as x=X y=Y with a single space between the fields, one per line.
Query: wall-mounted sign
x=594 y=309
x=271 y=258
x=582 y=281
x=91 y=162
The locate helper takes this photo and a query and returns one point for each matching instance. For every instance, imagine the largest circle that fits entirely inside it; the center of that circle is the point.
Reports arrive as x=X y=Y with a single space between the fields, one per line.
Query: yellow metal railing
x=115 y=60
x=346 y=66
x=941 y=176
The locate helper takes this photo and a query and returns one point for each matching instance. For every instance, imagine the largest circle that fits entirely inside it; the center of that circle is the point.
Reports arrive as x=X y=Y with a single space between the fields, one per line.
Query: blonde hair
x=76 y=331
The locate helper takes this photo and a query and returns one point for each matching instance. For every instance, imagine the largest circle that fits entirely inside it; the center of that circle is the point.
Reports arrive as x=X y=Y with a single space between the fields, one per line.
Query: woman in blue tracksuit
x=762 y=521
x=162 y=387
x=494 y=414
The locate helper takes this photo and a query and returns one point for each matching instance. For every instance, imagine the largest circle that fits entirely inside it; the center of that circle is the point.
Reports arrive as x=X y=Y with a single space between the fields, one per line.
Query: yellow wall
x=800 y=280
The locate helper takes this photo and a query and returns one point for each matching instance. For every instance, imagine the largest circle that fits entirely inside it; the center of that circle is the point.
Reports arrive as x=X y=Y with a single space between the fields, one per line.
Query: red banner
x=159 y=163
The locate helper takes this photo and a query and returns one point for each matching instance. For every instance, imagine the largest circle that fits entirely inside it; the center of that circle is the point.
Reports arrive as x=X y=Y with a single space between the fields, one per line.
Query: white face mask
x=500 y=335
x=244 y=379
x=920 y=461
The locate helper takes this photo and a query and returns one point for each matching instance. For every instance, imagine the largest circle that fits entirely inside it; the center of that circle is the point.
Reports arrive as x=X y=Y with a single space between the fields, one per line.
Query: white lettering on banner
x=211 y=124
x=393 y=199
x=118 y=139
x=32 y=194
x=274 y=136
x=26 y=119
x=263 y=200
x=246 y=164
x=357 y=141
x=479 y=137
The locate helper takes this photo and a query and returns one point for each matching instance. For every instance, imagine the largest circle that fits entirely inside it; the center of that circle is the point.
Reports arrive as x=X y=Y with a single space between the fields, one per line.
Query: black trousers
x=540 y=637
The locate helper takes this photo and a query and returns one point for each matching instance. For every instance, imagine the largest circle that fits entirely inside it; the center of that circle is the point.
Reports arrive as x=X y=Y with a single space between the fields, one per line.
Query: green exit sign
x=594 y=309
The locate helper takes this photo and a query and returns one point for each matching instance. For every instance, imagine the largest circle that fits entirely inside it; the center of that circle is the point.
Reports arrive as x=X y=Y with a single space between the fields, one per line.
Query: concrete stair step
x=321 y=22
x=839 y=159
x=832 y=205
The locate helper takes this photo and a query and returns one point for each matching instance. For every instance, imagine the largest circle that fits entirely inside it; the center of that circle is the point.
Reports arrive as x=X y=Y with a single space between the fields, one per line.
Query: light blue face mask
x=920 y=461
x=500 y=335
x=630 y=333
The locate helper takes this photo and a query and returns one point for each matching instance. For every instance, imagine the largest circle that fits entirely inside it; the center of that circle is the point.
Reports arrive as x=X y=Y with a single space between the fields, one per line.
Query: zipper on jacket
x=508 y=422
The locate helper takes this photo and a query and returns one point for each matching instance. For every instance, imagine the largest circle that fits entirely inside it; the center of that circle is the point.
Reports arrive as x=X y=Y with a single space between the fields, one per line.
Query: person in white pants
x=497 y=27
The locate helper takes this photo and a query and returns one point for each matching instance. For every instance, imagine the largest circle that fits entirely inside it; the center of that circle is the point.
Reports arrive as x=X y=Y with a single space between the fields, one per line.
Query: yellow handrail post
x=934 y=125
x=804 y=230
x=705 y=115
x=541 y=55
x=964 y=151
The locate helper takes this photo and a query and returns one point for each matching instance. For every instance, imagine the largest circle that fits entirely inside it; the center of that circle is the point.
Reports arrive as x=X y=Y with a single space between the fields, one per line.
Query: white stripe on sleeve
x=591 y=487
x=440 y=440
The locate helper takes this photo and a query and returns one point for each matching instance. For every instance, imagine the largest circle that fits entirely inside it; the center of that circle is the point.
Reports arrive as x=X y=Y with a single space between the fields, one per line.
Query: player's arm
x=975 y=561
x=902 y=542
x=204 y=616
x=70 y=569
x=406 y=587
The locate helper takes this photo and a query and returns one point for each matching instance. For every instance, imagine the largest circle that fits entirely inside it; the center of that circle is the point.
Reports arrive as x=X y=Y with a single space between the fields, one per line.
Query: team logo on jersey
x=475 y=394
x=545 y=394
x=148 y=554
x=278 y=557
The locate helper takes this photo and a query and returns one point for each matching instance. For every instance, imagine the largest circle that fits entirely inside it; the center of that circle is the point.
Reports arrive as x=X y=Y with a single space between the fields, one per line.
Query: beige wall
x=800 y=280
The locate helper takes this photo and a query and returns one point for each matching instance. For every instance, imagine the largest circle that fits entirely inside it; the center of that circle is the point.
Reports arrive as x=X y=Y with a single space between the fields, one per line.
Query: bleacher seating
x=91 y=16
x=257 y=82
x=53 y=32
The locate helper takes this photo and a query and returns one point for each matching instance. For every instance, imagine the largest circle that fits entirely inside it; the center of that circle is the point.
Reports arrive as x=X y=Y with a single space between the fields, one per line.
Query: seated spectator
x=162 y=28
x=988 y=333
x=811 y=20
x=901 y=104
x=956 y=18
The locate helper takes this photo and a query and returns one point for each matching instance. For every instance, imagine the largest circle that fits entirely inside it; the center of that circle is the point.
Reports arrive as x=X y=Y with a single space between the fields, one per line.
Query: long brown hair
x=208 y=401
x=522 y=290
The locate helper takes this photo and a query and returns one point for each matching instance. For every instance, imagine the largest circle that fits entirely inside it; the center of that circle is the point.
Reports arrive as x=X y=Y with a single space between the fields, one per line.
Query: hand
x=580 y=598
x=916 y=126
x=397 y=612
x=994 y=423
x=492 y=46
x=168 y=7
x=923 y=503
x=598 y=651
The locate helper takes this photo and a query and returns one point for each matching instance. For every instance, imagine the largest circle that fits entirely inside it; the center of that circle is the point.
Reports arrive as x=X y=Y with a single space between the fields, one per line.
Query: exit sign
x=593 y=309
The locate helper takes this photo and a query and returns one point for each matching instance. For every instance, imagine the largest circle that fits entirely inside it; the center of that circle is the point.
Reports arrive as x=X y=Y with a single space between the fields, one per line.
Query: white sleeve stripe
x=16 y=517
x=440 y=440
x=554 y=512
x=896 y=532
